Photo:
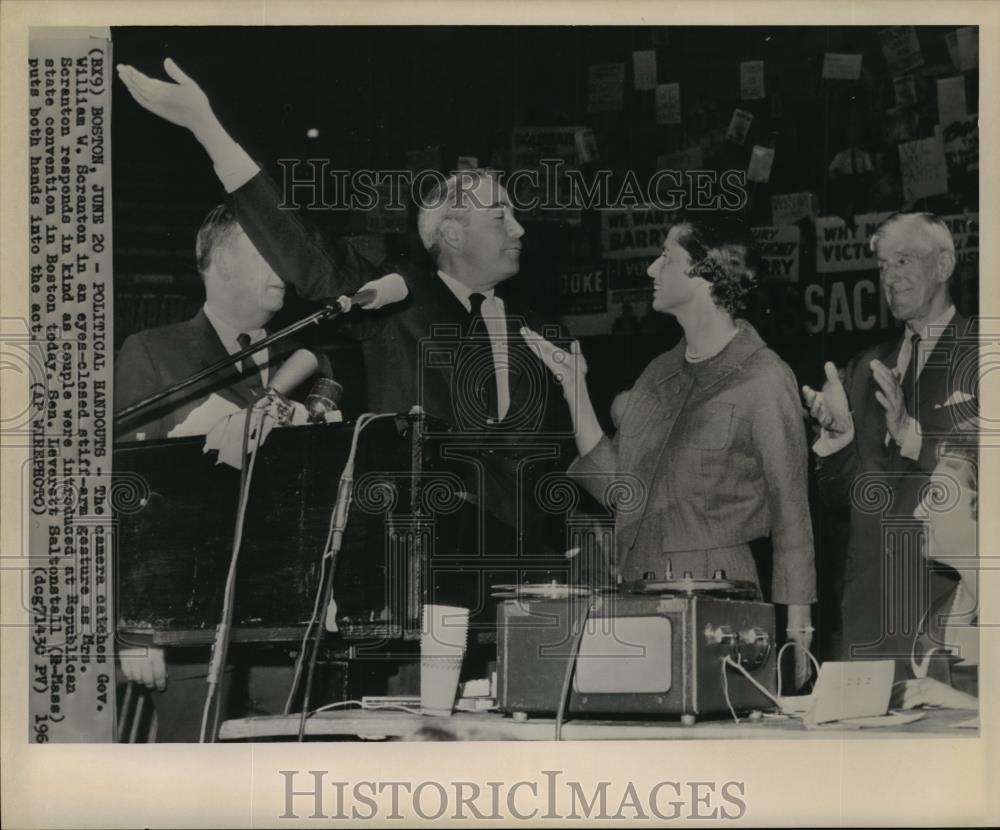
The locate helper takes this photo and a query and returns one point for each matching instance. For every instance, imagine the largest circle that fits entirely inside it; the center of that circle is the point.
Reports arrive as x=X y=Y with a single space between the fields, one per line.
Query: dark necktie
x=909 y=380
x=249 y=367
x=485 y=367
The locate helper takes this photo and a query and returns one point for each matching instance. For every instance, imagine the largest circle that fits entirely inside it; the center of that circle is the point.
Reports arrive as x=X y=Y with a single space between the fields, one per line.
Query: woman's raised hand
x=569 y=368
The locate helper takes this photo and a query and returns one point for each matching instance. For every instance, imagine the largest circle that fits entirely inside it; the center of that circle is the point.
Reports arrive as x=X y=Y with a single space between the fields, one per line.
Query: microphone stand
x=325 y=313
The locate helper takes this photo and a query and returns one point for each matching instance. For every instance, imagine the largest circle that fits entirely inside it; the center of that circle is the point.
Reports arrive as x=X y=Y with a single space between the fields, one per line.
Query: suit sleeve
x=324 y=368
x=136 y=377
x=595 y=470
x=779 y=438
x=321 y=267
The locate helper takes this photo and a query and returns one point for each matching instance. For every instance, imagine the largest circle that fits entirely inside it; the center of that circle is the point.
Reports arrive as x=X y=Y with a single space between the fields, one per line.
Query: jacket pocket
x=711 y=427
x=638 y=414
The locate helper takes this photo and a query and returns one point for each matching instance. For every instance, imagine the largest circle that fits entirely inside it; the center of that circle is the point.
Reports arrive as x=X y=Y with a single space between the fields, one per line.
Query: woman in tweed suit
x=712 y=446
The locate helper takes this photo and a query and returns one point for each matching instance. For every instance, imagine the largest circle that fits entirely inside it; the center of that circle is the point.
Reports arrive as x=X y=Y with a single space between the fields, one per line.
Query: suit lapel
x=940 y=375
x=888 y=355
x=521 y=361
x=441 y=304
x=230 y=383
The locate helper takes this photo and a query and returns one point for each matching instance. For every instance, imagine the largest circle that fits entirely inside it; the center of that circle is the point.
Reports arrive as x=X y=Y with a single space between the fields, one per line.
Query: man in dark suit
x=452 y=347
x=424 y=350
x=880 y=427
x=242 y=294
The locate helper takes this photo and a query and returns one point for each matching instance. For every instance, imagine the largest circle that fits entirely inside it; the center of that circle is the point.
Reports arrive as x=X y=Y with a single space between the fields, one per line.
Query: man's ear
x=222 y=263
x=945 y=265
x=452 y=233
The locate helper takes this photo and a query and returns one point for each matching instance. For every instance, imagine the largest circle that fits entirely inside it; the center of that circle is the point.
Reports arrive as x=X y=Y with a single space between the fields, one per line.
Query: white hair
x=929 y=224
x=442 y=201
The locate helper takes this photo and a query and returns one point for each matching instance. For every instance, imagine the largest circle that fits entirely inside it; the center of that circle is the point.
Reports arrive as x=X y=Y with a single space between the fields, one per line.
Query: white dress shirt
x=494 y=316
x=235 y=168
x=229 y=335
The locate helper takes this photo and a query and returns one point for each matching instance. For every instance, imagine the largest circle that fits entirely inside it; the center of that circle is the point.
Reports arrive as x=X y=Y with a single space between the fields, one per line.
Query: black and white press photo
x=398 y=382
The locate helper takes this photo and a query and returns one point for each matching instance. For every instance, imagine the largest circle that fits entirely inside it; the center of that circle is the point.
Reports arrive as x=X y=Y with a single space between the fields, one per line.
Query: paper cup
x=442 y=646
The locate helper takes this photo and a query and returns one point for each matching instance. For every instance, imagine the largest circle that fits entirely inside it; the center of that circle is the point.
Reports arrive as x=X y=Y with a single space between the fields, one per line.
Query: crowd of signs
x=596 y=296
x=838 y=284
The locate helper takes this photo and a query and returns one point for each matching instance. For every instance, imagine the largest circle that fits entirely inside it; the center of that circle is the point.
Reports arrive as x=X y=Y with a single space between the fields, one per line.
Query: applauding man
x=880 y=426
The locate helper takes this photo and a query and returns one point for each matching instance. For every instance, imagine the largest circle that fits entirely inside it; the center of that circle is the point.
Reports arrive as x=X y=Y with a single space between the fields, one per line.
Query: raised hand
x=829 y=407
x=182 y=103
x=890 y=396
x=568 y=368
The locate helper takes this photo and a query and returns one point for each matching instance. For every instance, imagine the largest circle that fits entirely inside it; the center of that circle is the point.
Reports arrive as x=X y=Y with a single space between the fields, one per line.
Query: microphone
x=377 y=293
x=293 y=371
x=324 y=397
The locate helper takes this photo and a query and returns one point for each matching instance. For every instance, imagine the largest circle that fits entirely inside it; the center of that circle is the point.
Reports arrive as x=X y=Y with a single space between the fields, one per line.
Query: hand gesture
x=144 y=665
x=182 y=103
x=568 y=368
x=829 y=407
x=890 y=396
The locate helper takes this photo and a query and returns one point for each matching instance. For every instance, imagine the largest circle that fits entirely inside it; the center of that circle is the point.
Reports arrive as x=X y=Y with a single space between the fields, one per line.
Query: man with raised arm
x=467 y=225
x=452 y=346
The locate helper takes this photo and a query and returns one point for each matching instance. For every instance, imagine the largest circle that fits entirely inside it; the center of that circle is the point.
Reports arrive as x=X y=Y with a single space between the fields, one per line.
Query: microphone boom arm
x=327 y=312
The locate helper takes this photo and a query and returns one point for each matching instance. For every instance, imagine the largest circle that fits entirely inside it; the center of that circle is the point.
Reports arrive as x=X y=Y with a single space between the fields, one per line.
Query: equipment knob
x=688 y=575
x=752 y=636
x=719 y=575
x=649 y=575
x=668 y=574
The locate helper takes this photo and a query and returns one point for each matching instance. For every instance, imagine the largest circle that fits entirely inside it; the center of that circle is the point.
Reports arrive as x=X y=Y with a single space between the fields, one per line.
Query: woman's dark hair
x=722 y=252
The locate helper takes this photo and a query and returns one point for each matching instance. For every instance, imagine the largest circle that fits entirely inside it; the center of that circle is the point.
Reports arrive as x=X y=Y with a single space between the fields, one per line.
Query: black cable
x=338 y=524
x=327 y=593
x=220 y=646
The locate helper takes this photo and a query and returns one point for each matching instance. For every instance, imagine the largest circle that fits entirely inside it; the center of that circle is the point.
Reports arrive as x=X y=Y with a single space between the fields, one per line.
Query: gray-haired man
x=880 y=427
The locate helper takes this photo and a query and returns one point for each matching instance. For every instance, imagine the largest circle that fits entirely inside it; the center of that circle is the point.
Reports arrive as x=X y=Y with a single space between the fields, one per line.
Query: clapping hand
x=890 y=396
x=830 y=407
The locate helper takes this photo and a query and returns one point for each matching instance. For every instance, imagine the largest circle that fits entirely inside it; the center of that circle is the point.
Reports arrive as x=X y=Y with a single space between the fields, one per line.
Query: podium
x=422 y=528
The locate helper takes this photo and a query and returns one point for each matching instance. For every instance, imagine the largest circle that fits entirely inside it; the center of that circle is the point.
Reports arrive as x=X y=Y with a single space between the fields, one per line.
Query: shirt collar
x=737 y=351
x=228 y=334
x=931 y=332
x=461 y=291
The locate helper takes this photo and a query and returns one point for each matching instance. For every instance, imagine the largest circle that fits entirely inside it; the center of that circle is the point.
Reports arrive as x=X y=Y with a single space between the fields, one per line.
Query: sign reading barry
x=778 y=249
x=632 y=232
